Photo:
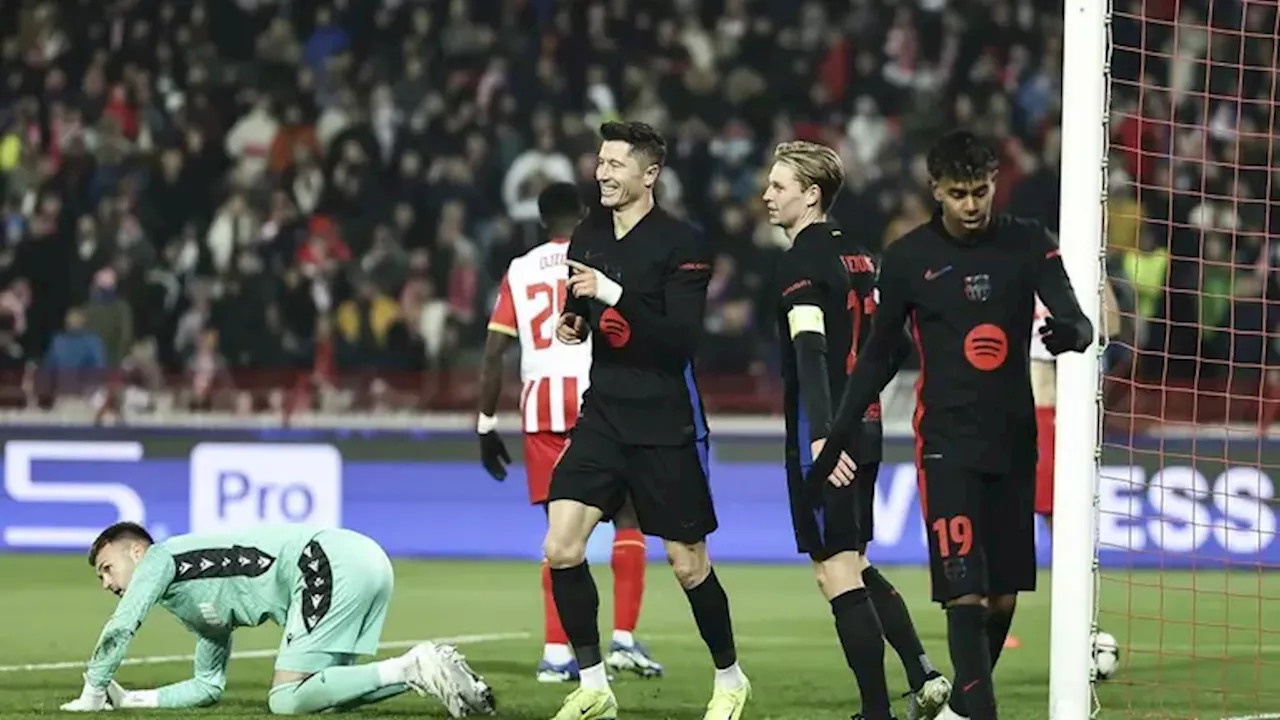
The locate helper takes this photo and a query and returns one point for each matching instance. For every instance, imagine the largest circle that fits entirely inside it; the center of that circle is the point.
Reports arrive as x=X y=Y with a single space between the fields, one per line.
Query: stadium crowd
x=244 y=193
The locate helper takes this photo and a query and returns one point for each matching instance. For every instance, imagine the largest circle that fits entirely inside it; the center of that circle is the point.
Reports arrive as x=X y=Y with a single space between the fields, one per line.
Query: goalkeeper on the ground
x=328 y=589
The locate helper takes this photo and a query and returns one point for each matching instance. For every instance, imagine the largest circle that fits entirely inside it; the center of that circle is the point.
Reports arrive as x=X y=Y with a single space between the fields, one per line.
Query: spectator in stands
x=77 y=357
x=209 y=385
x=108 y=317
x=178 y=143
x=364 y=325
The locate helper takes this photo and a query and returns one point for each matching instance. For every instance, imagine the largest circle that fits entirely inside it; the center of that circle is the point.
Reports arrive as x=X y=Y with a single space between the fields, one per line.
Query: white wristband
x=486 y=424
x=607 y=291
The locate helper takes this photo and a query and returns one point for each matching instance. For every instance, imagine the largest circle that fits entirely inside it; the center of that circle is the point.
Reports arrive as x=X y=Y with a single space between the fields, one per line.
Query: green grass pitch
x=1200 y=645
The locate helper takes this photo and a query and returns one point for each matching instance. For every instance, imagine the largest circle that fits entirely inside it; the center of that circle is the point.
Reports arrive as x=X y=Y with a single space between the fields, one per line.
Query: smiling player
x=554 y=378
x=639 y=289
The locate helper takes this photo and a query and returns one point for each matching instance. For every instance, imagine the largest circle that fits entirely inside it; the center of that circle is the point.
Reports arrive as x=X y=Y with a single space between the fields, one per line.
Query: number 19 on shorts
x=954 y=536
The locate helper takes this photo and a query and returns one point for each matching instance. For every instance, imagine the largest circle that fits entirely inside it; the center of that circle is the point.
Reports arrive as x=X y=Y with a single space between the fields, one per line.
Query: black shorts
x=668 y=484
x=981 y=530
x=842 y=521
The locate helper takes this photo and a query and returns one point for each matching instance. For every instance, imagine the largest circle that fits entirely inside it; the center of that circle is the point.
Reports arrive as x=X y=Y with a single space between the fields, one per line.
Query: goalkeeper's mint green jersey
x=213 y=583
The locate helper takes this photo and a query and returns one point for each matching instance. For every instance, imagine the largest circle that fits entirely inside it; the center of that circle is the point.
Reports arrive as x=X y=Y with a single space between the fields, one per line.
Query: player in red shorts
x=1044 y=389
x=554 y=376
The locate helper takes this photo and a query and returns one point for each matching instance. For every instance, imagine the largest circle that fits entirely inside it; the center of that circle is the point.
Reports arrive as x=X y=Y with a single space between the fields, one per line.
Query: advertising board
x=1157 y=506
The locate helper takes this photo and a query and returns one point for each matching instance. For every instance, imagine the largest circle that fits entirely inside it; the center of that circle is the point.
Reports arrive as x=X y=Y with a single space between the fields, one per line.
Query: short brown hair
x=813 y=164
x=119 y=531
x=642 y=137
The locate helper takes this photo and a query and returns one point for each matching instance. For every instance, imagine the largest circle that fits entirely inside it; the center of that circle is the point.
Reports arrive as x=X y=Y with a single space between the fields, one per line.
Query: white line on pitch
x=247 y=654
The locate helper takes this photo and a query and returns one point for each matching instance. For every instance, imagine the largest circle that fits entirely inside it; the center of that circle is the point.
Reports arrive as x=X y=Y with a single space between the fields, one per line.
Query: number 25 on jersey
x=549 y=299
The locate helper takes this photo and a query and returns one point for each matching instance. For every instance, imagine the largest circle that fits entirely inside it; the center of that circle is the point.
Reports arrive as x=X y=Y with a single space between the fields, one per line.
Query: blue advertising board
x=57 y=494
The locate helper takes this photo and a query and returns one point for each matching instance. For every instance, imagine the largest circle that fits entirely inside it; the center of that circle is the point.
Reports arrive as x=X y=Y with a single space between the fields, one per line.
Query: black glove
x=1059 y=337
x=493 y=455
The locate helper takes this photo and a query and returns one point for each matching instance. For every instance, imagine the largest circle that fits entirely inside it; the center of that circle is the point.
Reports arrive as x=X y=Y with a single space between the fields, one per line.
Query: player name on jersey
x=554 y=375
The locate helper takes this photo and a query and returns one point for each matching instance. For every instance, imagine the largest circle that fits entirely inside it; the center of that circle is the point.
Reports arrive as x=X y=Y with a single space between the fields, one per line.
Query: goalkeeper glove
x=493 y=452
x=1059 y=337
x=91 y=699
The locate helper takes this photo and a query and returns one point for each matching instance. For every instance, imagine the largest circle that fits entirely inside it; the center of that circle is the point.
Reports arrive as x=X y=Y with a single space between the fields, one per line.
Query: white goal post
x=1086 y=57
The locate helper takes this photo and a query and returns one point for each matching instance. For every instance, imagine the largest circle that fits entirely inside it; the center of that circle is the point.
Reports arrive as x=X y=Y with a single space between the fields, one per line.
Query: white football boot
x=442 y=672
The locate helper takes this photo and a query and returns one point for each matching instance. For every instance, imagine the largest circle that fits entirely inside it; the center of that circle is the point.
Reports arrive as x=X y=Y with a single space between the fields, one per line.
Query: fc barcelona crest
x=977 y=287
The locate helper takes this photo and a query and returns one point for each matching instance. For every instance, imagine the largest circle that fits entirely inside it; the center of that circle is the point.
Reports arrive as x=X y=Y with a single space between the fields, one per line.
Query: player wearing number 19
x=554 y=377
x=328 y=589
x=967 y=281
x=825 y=288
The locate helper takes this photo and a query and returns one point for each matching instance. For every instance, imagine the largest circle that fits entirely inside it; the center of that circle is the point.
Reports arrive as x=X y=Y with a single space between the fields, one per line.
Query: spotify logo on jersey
x=616 y=329
x=986 y=347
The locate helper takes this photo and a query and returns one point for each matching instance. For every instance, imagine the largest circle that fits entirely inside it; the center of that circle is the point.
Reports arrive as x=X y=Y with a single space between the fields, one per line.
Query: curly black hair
x=643 y=139
x=560 y=206
x=961 y=156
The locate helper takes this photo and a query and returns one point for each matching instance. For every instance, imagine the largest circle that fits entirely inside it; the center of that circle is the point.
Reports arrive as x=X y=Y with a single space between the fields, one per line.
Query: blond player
x=1044 y=389
x=554 y=377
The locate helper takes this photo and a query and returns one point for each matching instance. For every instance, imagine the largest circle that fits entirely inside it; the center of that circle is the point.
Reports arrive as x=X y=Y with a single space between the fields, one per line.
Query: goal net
x=1186 y=518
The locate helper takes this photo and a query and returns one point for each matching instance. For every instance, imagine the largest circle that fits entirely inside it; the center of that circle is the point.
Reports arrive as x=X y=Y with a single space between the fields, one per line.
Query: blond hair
x=813 y=164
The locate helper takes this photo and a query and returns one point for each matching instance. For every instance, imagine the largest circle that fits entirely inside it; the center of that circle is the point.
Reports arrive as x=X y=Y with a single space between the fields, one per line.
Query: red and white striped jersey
x=554 y=375
x=1038 y=351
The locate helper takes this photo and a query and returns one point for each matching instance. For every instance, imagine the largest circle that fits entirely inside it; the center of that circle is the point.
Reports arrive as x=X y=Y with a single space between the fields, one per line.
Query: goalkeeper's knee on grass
x=287 y=700
x=330 y=688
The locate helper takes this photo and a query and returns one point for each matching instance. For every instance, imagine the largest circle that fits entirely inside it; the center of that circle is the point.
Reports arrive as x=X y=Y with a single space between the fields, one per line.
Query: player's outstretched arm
x=150 y=579
x=1066 y=328
x=203 y=689
x=875 y=367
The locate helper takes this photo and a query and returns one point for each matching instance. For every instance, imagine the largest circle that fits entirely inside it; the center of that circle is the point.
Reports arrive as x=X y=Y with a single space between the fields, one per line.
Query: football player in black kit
x=639 y=285
x=825 y=290
x=967 y=282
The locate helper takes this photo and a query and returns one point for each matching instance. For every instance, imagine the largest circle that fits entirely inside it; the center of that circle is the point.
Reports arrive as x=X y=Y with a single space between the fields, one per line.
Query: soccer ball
x=1106 y=655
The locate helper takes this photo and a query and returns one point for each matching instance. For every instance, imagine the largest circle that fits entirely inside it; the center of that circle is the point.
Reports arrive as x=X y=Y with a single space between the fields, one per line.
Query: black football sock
x=710 y=608
x=578 y=602
x=998 y=624
x=863 y=642
x=974 y=695
x=898 y=628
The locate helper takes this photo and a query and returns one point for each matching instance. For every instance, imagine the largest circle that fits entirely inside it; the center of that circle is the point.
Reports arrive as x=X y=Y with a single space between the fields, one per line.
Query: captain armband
x=805 y=318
